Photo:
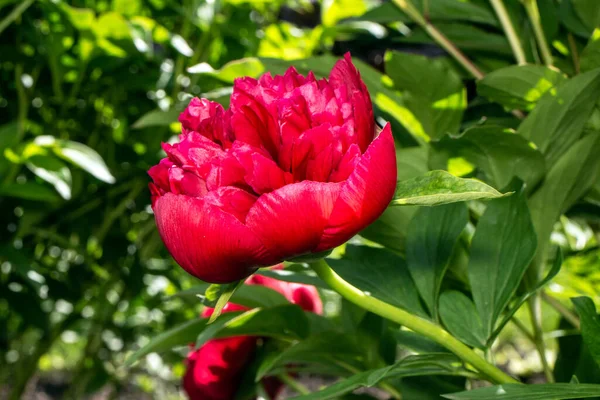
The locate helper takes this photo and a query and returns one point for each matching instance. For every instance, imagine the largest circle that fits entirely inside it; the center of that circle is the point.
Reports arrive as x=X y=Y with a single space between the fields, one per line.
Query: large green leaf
x=431 y=237
x=557 y=122
x=568 y=179
x=390 y=229
x=503 y=245
x=441 y=187
x=288 y=275
x=287 y=322
x=590 y=325
x=180 y=335
x=424 y=364
x=381 y=273
x=440 y=95
x=324 y=348
x=590 y=56
x=53 y=171
x=439 y=10
x=548 y=391
x=519 y=86
x=500 y=153
x=156 y=118
x=460 y=317
x=558 y=260
x=29 y=191
x=588 y=11
x=250 y=296
x=465 y=36
x=78 y=154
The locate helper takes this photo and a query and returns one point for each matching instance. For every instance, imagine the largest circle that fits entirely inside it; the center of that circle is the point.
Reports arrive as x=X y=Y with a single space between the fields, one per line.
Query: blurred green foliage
x=90 y=88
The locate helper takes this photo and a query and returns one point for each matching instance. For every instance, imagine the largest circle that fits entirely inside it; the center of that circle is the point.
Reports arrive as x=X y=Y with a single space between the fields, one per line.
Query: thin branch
x=509 y=30
x=533 y=13
x=409 y=9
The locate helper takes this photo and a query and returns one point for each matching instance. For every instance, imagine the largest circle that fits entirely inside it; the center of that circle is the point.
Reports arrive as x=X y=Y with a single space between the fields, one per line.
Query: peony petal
x=232 y=200
x=349 y=87
x=261 y=173
x=366 y=194
x=207 y=242
x=215 y=371
x=186 y=182
x=290 y=220
x=307 y=297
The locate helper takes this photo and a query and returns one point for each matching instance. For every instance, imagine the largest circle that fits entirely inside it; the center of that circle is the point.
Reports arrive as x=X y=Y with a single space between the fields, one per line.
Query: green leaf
x=557 y=122
x=217 y=296
x=519 y=86
x=438 y=10
x=29 y=191
x=439 y=91
x=389 y=282
x=287 y=275
x=499 y=153
x=249 y=66
x=568 y=179
x=440 y=187
x=52 y=171
x=460 y=317
x=391 y=227
x=464 y=36
x=283 y=322
x=502 y=247
x=431 y=237
x=416 y=365
x=250 y=296
x=590 y=56
x=590 y=325
x=548 y=391
x=588 y=11
x=181 y=335
x=78 y=154
x=417 y=343
x=156 y=118
x=558 y=260
x=326 y=348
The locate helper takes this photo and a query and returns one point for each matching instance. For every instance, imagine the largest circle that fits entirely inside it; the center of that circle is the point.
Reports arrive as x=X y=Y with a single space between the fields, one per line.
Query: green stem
x=407 y=7
x=509 y=30
x=14 y=14
x=417 y=324
x=574 y=52
x=294 y=384
x=562 y=310
x=533 y=13
x=535 y=310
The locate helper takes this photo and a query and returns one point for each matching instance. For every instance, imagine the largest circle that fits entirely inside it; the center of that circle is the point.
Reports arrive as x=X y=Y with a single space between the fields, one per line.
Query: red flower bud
x=215 y=370
x=293 y=167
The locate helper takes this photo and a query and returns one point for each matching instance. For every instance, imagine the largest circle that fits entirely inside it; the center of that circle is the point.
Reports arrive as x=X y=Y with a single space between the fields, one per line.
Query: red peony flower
x=215 y=370
x=293 y=167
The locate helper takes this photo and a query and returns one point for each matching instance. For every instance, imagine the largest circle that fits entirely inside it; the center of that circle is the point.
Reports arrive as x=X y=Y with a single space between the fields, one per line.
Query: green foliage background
x=90 y=88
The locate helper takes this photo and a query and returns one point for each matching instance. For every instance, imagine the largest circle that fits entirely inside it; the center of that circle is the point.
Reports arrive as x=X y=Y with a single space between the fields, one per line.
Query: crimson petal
x=366 y=193
x=290 y=220
x=207 y=242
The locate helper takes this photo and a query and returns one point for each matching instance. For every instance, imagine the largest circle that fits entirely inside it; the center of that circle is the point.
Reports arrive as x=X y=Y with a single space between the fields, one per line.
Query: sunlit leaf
x=548 y=391
x=440 y=187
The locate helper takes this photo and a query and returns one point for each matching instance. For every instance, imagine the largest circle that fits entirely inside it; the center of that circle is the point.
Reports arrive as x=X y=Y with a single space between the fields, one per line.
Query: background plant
x=90 y=89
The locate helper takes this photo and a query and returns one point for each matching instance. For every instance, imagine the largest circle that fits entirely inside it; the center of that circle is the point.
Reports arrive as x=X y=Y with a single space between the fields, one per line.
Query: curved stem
x=533 y=13
x=535 y=310
x=509 y=30
x=294 y=384
x=417 y=324
x=562 y=310
x=409 y=9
